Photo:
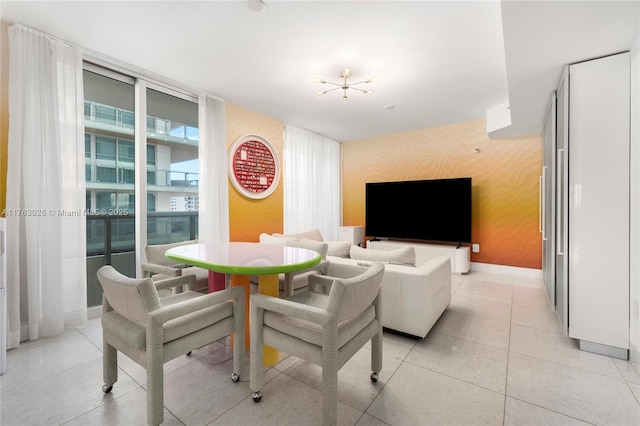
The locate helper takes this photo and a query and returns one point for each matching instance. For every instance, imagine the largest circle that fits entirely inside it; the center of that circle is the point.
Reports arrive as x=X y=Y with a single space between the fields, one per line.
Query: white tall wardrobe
x=585 y=207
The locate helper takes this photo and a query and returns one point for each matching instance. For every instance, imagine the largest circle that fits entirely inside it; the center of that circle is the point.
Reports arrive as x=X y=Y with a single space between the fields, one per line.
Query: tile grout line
x=402 y=361
x=506 y=374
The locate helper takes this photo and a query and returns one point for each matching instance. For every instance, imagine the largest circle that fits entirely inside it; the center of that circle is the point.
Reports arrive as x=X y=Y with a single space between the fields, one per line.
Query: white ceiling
x=438 y=62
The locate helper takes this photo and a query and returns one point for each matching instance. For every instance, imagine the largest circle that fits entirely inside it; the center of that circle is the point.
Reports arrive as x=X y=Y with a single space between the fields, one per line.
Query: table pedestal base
x=217 y=281
x=268 y=285
x=243 y=280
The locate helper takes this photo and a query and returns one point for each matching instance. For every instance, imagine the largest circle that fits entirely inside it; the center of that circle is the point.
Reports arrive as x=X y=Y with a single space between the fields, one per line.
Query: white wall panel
x=599 y=201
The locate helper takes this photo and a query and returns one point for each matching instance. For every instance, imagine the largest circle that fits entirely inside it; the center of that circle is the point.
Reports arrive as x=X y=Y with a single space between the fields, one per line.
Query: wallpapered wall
x=505 y=177
x=248 y=217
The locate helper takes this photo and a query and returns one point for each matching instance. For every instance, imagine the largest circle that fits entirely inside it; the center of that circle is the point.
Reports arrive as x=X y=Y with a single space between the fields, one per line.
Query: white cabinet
x=352 y=234
x=592 y=209
x=460 y=255
x=561 y=234
x=547 y=199
x=599 y=202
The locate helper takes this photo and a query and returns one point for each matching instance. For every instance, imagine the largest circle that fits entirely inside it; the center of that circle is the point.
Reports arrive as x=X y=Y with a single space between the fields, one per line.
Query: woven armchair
x=295 y=282
x=325 y=325
x=152 y=330
x=159 y=267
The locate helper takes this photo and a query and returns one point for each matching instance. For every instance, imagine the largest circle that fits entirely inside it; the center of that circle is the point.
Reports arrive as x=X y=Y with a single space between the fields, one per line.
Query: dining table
x=240 y=261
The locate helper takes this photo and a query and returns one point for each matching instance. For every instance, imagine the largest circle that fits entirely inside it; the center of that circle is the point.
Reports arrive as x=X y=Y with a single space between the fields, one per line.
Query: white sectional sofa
x=413 y=297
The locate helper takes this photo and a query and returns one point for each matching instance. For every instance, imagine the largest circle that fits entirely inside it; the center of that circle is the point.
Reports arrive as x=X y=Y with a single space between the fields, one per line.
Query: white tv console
x=460 y=256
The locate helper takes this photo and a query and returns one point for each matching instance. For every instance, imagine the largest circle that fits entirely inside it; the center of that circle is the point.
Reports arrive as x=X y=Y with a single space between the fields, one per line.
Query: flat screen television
x=437 y=210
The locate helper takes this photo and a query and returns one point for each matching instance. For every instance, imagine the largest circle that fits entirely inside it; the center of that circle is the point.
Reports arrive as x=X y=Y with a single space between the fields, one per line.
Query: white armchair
x=152 y=330
x=325 y=325
x=295 y=282
x=158 y=267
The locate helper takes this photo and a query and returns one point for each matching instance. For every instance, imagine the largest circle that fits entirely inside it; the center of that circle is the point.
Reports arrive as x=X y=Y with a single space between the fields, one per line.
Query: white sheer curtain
x=311 y=183
x=213 y=216
x=46 y=243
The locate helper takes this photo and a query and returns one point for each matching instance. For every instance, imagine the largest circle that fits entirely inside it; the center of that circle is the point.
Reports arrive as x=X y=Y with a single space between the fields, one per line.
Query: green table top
x=240 y=258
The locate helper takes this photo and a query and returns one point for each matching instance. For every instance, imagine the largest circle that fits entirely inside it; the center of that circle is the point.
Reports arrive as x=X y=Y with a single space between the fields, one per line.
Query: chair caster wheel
x=374 y=377
x=257 y=397
x=107 y=388
x=234 y=377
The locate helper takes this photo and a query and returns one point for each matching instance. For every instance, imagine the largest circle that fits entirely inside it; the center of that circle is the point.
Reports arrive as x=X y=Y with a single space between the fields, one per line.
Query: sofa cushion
x=274 y=240
x=306 y=243
x=314 y=234
x=338 y=248
x=402 y=256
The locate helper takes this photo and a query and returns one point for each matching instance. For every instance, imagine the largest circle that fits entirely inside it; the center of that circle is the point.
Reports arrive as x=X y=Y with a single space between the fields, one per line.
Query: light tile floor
x=498 y=355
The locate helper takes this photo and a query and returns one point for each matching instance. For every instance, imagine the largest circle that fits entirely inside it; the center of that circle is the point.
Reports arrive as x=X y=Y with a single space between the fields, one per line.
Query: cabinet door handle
x=542 y=204
x=560 y=203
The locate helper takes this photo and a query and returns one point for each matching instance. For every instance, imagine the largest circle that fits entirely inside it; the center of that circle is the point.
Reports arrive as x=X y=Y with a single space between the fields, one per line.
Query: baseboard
x=515 y=271
x=94 y=312
x=599 y=348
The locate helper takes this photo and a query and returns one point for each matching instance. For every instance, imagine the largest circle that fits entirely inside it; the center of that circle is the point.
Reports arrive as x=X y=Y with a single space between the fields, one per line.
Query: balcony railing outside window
x=114 y=234
x=157 y=127
x=111 y=173
x=111 y=240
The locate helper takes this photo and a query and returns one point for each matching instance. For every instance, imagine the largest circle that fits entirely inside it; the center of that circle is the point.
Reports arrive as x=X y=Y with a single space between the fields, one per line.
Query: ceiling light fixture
x=345 y=74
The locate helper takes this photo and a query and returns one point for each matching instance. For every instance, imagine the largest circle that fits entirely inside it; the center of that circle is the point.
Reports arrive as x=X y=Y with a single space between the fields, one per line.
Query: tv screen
x=436 y=210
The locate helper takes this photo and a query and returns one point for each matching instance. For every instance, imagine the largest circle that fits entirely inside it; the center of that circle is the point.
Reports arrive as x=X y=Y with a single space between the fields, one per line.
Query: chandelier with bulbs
x=344 y=86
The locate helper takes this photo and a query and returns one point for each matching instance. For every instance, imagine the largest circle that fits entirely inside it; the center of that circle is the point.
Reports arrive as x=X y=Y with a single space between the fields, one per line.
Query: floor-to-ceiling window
x=109 y=138
x=172 y=167
x=170 y=172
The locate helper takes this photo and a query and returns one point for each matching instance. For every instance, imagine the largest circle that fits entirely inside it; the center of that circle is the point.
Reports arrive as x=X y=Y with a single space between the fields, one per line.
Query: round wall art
x=254 y=168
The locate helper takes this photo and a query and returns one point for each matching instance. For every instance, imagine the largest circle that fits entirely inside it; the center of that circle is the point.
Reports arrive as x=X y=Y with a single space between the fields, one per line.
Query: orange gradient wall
x=247 y=217
x=505 y=176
